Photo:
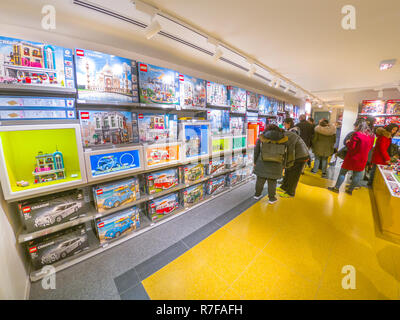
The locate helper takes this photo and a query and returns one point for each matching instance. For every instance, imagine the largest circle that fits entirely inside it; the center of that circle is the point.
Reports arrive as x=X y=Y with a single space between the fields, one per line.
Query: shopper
x=358 y=147
x=269 y=160
x=298 y=155
x=380 y=154
x=323 y=145
x=306 y=130
x=288 y=124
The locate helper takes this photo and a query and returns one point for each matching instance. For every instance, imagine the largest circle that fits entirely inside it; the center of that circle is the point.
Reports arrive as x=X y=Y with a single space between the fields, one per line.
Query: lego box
x=163 y=206
x=58 y=246
x=215 y=185
x=235 y=161
x=113 y=195
x=191 y=172
x=215 y=166
x=233 y=178
x=118 y=224
x=161 y=180
x=192 y=195
x=51 y=210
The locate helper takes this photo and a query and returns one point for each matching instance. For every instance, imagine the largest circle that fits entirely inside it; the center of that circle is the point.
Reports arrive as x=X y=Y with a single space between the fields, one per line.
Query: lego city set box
x=215 y=185
x=112 y=195
x=215 y=166
x=191 y=172
x=163 y=206
x=161 y=180
x=192 y=195
x=59 y=246
x=43 y=212
x=118 y=224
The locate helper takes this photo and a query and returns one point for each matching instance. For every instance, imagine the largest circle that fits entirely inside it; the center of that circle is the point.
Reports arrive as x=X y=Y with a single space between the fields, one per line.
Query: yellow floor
x=294 y=249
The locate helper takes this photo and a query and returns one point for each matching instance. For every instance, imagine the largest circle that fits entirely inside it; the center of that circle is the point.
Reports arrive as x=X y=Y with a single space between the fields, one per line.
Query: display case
x=252 y=101
x=157 y=127
x=36 y=159
x=192 y=92
x=237 y=99
x=217 y=94
x=162 y=154
x=161 y=180
x=113 y=162
x=195 y=136
x=192 y=195
x=163 y=206
x=221 y=145
x=219 y=120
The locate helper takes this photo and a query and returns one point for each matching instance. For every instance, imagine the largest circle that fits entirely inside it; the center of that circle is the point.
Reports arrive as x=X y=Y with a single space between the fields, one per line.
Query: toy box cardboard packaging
x=215 y=166
x=248 y=158
x=157 y=127
x=192 y=195
x=233 y=178
x=118 y=224
x=58 y=246
x=245 y=172
x=163 y=206
x=50 y=210
x=191 y=172
x=215 y=185
x=161 y=180
x=235 y=161
x=112 y=195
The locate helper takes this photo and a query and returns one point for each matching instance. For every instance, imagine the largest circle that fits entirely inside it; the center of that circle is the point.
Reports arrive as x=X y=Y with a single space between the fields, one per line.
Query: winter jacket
x=306 y=132
x=295 y=130
x=297 y=149
x=357 y=151
x=269 y=169
x=380 y=154
x=324 y=140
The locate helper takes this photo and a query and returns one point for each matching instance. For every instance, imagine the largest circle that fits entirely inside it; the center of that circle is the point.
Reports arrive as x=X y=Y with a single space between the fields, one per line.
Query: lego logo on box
x=153 y=205
x=26 y=210
x=84 y=115
x=99 y=192
x=100 y=225
x=32 y=250
x=181 y=77
x=80 y=53
x=143 y=67
x=140 y=116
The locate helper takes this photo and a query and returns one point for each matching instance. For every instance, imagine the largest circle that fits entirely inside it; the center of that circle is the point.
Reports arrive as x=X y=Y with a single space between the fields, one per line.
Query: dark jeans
x=271 y=186
x=292 y=177
x=372 y=174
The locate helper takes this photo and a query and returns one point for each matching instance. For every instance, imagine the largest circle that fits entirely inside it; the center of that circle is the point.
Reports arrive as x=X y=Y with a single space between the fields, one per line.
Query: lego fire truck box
x=58 y=246
x=215 y=185
x=43 y=212
x=191 y=172
x=104 y=77
x=252 y=101
x=158 y=85
x=161 y=180
x=112 y=195
x=163 y=206
x=237 y=99
x=219 y=120
x=216 y=166
x=196 y=139
x=235 y=161
x=217 y=94
x=33 y=63
x=106 y=128
x=192 y=92
x=233 y=178
x=157 y=127
x=118 y=224
x=161 y=154
x=192 y=195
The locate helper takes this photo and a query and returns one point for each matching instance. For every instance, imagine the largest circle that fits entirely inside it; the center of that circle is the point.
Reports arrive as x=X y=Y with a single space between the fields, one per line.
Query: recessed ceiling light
x=387 y=64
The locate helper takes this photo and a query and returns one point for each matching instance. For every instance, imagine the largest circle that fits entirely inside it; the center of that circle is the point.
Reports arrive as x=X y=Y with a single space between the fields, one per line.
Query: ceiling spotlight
x=387 y=64
x=277 y=84
x=251 y=71
x=218 y=53
x=152 y=29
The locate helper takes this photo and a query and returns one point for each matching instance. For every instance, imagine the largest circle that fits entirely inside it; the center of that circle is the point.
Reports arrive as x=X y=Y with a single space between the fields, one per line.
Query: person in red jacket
x=358 y=147
x=380 y=154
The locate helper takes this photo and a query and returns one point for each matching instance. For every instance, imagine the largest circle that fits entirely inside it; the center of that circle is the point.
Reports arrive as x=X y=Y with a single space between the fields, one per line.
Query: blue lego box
x=161 y=180
x=163 y=206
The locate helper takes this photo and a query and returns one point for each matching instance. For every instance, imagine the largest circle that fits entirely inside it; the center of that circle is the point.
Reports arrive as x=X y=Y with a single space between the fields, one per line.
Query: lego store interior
x=133 y=135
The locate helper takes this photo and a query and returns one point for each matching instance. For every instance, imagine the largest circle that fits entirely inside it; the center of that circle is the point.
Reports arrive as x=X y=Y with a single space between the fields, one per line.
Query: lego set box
x=237 y=127
x=215 y=185
x=217 y=94
x=237 y=99
x=163 y=206
x=161 y=180
x=196 y=136
x=219 y=120
x=191 y=172
x=113 y=195
x=104 y=77
x=58 y=246
x=245 y=172
x=192 y=92
x=157 y=127
x=215 y=166
x=157 y=155
x=235 y=161
x=233 y=178
x=192 y=195
x=118 y=224
x=43 y=212
x=252 y=101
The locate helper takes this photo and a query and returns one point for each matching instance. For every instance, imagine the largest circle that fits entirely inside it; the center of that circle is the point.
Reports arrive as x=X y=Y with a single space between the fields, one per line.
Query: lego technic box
x=217 y=94
x=113 y=195
x=157 y=127
x=192 y=195
x=163 y=206
x=215 y=185
x=118 y=224
x=47 y=211
x=158 y=85
x=161 y=180
x=33 y=63
x=58 y=246
x=237 y=99
x=233 y=178
x=105 y=77
x=191 y=172
x=102 y=128
x=192 y=92
x=216 y=166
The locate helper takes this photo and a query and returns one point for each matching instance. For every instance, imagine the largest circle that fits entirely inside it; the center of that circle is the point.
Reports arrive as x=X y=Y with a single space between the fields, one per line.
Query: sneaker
x=257 y=197
x=272 y=200
x=285 y=195
x=333 y=189
x=349 y=191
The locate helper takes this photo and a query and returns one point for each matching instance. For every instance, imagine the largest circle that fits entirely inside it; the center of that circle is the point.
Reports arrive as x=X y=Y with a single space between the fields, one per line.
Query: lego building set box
x=217 y=94
x=215 y=166
x=43 y=212
x=219 y=120
x=192 y=195
x=163 y=206
x=192 y=92
x=216 y=185
x=161 y=180
x=157 y=127
x=191 y=172
x=113 y=195
x=118 y=224
x=237 y=99
x=58 y=246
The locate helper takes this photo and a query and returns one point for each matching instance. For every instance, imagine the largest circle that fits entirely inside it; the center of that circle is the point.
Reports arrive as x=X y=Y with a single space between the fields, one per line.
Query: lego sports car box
x=58 y=246
x=43 y=212
x=118 y=224
x=215 y=185
x=115 y=194
x=161 y=180
x=216 y=166
x=163 y=206
x=192 y=195
x=191 y=172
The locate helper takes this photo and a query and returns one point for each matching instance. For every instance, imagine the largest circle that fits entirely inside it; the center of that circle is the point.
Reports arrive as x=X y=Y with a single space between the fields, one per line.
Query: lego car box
x=192 y=195
x=161 y=180
x=58 y=246
x=191 y=172
x=163 y=206
x=235 y=161
x=216 y=166
x=215 y=185
x=113 y=195
x=118 y=224
x=50 y=210
x=233 y=178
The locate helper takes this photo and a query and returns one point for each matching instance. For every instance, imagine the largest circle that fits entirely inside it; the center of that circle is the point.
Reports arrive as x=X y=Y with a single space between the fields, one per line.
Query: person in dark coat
x=306 y=130
x=270 y=156
x=288 y=124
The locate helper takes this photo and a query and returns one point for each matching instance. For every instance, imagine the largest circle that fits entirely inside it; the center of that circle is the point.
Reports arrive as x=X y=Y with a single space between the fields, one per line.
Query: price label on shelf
x=28 y=238
x=151 y=198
